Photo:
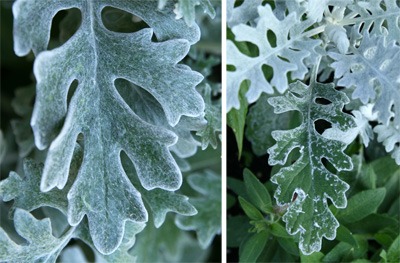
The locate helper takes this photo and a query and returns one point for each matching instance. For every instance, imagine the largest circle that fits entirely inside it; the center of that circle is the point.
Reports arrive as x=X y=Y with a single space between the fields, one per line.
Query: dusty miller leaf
x=372 y=60
x=25 y=191
x=307 y=177
x=380 y=17
x=246 y=12
x=41 y=245
x=390 y=136
x=213 y=116
x=160 y=201
x=294 y=50
x=186 y=9
x=97 y=57
x=207 y=222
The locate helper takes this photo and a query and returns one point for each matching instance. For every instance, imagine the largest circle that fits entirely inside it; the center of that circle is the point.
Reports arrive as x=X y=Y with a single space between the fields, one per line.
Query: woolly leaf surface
x=306 y=184
x=372 y=60
x=92 y=56
x=207 y=223
x=289 y=55
x=40 y=245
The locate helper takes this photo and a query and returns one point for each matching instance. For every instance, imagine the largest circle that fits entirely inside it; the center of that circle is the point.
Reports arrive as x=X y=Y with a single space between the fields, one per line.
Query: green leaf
x=207 y=223
x=236 y=228
x=257 y=192
x=315 y=257
x=237 y=186
x=253 y=247
x=372 y=224
x=96 y=58
x=393 y=254
x=384 y=168
x=289 y=245
x=306 y=184
x=344 y=235
x=361 y=205
x=278 y=230
x=236 y=118
x=337 y=253
x=250 y=210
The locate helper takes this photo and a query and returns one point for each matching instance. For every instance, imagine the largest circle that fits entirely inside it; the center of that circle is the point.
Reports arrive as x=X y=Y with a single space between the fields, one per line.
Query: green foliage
x=322 y=79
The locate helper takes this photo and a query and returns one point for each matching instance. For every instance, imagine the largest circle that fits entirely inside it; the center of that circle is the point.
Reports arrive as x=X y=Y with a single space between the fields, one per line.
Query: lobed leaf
x=102 y=191
x=40 y=246
x=207 y=223
x=372 y=59
x=289 y=55
x=307 y=184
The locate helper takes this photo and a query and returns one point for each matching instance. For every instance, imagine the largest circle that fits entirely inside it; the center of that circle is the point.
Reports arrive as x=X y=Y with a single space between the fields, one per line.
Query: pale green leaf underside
x=294 y=49
x=207 y=222
x=96 y=57
x=309 y=214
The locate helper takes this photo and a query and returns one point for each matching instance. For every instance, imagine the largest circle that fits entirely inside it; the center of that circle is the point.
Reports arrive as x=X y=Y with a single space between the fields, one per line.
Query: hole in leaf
x=271 y=38
x=139 y=100
x=268 y=72
x=284 y=59
x=120 y=21
x=71 y=91
x=248 y=49
x=271 y=3
x=238 y=3
x=63 y=26
x=322 y=101
x=81 y=140
x=87 y=251
x=362 y=26
x=58 y=221
x=329 y=166
x=230 y=68
x=322 y=125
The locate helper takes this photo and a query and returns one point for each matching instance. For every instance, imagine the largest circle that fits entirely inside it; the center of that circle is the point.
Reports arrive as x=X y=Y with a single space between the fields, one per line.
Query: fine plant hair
x=119 y=118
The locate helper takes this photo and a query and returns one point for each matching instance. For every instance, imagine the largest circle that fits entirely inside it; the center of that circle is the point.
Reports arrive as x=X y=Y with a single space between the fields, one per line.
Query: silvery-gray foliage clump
x=343 y=43
x=115 y=150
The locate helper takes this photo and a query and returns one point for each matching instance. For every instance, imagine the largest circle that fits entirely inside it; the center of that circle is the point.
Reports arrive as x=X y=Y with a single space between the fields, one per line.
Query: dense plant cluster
x=314 y=86
x=118 y=119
